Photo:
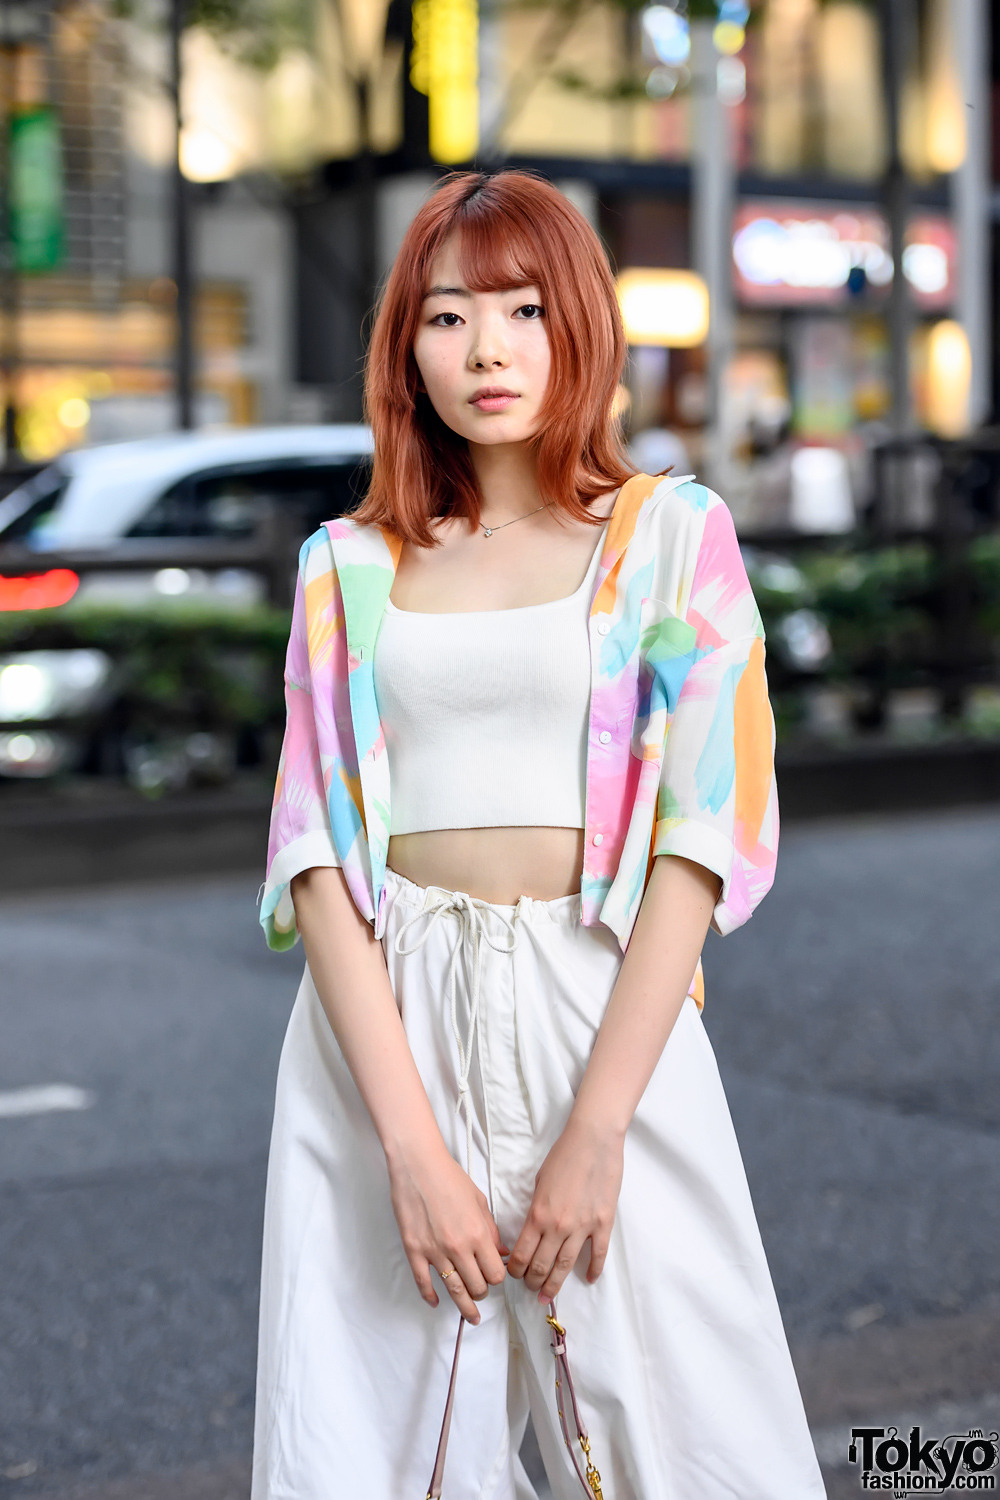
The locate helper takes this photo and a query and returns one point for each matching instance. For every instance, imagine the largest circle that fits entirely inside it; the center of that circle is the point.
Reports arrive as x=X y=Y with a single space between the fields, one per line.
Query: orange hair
x=514 y=229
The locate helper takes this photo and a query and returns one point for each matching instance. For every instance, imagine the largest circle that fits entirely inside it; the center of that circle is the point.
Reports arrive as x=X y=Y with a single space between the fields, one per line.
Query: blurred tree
x=633 y=82
x=256 y=32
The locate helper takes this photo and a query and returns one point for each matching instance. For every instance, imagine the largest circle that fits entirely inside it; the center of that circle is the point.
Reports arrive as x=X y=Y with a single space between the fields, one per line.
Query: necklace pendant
x=488 y=531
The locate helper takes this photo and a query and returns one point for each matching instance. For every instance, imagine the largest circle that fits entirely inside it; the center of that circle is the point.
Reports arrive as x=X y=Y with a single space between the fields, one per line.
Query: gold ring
x=445 y=1274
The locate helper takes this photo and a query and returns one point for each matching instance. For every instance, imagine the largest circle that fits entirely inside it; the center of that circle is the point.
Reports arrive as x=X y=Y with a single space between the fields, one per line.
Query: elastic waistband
x=407 y=892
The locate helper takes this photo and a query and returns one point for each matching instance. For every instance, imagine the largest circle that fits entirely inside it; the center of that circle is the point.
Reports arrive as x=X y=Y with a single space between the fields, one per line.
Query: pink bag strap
x=591 y=1479
x=588 y=1476
x=434 y=1491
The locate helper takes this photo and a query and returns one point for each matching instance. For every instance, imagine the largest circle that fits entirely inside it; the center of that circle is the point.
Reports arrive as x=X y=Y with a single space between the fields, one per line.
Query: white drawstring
x=470 y=911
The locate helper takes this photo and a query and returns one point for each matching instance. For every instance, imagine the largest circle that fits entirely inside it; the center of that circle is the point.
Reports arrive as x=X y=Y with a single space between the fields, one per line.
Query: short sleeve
x=300 y=833
x=716 y=799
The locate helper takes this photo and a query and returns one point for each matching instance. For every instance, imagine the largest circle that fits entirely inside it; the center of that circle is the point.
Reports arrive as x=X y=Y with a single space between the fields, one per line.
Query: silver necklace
x=489 y=530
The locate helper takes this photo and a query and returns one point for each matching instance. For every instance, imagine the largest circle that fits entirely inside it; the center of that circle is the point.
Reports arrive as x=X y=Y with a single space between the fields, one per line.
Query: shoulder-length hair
x=514 y=229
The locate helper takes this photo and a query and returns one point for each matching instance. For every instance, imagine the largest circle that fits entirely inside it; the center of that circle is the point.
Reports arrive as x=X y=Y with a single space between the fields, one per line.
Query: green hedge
x=176 y=663
x=883 y=608
x=183 y=664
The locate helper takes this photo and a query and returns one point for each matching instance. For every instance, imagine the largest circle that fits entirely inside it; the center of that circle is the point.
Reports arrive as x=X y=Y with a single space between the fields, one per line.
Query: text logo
x=919 y=1466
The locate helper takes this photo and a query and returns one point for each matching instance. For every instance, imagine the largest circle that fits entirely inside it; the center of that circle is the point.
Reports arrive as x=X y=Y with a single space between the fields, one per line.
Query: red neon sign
x=38 y=590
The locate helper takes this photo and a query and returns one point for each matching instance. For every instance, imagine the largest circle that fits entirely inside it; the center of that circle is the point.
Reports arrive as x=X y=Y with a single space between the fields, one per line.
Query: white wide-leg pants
x=677 y=1350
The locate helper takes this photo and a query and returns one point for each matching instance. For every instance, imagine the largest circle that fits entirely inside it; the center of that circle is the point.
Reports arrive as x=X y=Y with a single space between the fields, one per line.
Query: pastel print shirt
x=680 y=740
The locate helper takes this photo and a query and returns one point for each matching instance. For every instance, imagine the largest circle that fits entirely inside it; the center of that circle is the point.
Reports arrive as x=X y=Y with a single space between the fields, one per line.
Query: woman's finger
x=474 y=1285
x=542 y=1260
x=421 y=1269
x=490 y=1265
x=459 y=1294
x=495 y=1234
x=599 y=1254
x=497 y=1237
x=525 y=1247
x=565 y=1260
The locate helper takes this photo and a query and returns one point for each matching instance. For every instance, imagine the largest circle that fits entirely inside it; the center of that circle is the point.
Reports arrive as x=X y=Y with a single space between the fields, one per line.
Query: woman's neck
x=508 y=480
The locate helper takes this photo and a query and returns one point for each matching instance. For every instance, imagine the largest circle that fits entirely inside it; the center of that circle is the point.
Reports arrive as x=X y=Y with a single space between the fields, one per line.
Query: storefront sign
x=36 y=189
x=444 y=65
x=788 y=255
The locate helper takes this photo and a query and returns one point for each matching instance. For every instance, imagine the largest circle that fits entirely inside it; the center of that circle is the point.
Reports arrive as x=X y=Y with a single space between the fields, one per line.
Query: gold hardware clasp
x=593 y=1477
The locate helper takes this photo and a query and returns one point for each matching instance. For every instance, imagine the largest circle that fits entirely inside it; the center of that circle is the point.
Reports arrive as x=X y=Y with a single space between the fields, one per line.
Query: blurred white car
x=175 y=489
x=184 y=487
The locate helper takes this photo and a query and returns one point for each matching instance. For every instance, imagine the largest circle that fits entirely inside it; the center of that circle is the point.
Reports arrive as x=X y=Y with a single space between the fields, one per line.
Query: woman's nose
x=489 y=350
x=490 y=357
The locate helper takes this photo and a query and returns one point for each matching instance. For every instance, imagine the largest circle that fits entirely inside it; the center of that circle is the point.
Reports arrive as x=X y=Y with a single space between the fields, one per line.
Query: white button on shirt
x=605 y=736
x=598 y=838
x=603 y=627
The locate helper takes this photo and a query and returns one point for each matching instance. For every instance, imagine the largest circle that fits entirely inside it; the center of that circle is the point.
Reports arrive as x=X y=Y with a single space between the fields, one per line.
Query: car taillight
x=39 y=590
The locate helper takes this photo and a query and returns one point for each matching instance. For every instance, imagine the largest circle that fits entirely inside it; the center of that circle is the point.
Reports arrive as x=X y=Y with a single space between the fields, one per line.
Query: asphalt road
x=855 y=1023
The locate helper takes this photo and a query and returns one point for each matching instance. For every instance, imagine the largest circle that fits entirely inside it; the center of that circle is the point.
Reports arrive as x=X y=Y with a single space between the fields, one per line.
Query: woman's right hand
x=444 y=1220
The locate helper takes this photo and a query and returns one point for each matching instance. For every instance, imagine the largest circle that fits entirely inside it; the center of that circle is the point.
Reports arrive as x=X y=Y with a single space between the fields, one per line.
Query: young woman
x=527 y=764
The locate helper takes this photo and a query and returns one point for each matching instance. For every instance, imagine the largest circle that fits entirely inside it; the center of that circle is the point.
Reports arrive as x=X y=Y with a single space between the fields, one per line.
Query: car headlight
x=51 y=684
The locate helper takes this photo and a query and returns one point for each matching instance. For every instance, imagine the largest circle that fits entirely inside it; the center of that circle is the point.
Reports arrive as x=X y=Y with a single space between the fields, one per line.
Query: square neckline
x=514 y=609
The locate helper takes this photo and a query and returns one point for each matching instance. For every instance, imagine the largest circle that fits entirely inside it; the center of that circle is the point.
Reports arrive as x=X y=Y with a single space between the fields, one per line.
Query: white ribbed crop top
x=485 y=713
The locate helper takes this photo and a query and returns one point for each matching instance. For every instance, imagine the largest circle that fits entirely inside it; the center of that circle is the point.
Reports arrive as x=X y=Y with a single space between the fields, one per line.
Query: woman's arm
x=577 y=1187
x=442 y=1215
x=653 y=982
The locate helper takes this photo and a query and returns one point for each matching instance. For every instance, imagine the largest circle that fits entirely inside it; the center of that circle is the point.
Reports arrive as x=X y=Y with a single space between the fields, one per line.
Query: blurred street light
x=668 y=308
x=945 y=112
x=666 y=35
x=949 y=379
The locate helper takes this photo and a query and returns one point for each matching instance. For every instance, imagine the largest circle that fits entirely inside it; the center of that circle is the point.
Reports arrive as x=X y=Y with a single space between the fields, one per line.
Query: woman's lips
x=494 y=403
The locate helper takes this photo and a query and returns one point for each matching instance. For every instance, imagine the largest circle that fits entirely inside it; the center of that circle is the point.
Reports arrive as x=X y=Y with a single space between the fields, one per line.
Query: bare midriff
x=492 y=864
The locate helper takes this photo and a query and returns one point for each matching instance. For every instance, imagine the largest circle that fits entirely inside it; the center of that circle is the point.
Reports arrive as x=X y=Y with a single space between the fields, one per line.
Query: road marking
x=43 y=1099
x=21 y=1471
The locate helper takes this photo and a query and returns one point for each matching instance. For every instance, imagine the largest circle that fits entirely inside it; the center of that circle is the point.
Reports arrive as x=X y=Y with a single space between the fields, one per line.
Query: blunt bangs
x=514 y=229
x=495 y=253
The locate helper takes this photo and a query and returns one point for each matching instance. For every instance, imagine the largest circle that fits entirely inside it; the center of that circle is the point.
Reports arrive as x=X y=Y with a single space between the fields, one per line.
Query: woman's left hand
x=575 y=1199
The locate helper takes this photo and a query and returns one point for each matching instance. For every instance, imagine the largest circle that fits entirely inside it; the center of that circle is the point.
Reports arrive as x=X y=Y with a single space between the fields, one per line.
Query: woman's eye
x=531 y=311
x=447 y=320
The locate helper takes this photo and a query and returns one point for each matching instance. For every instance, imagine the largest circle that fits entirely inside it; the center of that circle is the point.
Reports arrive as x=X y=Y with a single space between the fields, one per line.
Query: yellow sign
x=445 y=66
x=663 y=307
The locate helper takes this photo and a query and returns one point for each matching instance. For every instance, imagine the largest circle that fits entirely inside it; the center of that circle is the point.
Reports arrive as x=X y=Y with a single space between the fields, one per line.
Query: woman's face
x=483 y=357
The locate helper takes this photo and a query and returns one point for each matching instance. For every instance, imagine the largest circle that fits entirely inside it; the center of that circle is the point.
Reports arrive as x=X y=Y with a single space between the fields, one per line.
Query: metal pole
x=181 y=225
x=713 y=193
x=971 y=195
x=896 y=18
x=367 y=203
x=10 y=286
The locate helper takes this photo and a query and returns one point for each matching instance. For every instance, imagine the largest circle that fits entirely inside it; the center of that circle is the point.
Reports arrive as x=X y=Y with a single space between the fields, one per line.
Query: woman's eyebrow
x=463 y=291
